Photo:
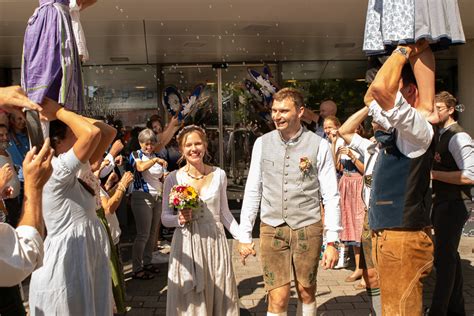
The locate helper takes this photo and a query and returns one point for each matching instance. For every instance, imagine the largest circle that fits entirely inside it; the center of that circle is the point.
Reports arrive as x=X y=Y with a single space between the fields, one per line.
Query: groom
x=285 y=182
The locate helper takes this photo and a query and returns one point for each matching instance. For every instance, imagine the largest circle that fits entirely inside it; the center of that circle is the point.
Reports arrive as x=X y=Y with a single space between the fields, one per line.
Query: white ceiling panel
x=190 y=31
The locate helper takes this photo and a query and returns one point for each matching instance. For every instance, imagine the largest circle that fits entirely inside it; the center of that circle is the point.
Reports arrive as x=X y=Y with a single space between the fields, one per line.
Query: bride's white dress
x=200 y=277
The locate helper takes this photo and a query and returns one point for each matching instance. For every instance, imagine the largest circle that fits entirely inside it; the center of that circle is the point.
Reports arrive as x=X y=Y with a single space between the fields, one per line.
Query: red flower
x=180 y=189
x=176 y=201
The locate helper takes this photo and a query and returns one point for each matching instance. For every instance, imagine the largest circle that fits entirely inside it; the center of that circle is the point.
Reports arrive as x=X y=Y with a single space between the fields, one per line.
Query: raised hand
x=50 y=108
x=37 y=168
x=6 y=174
x=174 y=121
x=127 y=178
x=343 y=151
x=116 y=148
x=418 y=47
x=7 y=192
x=13 y=98
x=119 y=160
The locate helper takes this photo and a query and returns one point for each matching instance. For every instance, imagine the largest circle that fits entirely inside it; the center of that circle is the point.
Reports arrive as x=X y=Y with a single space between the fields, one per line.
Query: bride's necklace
x=200 y=177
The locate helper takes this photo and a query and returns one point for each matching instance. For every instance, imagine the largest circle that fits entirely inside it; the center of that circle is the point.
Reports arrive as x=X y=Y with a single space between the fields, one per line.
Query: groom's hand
x=246 y=249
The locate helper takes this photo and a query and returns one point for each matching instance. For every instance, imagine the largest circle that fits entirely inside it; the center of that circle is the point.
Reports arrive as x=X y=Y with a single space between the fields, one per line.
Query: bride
x=200 y=277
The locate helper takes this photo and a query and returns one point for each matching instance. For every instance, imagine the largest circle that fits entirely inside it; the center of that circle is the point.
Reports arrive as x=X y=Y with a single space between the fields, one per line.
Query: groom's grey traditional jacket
x=284 y=191
x=289 y=195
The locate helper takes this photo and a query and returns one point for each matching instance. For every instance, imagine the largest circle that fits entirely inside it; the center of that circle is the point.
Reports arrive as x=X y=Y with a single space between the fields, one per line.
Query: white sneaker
x=164 y=244
x=343 y=261
x=159 y=257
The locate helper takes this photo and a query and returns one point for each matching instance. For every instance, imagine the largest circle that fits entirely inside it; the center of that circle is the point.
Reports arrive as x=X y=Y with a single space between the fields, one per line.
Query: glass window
x=129 y=93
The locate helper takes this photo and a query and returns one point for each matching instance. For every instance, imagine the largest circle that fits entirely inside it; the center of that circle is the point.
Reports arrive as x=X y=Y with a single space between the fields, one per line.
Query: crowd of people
x=340 y=190
x=319 y=186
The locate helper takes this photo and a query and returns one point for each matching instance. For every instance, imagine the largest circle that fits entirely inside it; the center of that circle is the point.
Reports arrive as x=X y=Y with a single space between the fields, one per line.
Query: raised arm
x=348 y=129
x=111 y=204
x=107 y=135
x=88 y=135
x=423 y=66
x=36 y=169
x=22 y=249
x=86 y=3
x=168 y=133
x=386 y=83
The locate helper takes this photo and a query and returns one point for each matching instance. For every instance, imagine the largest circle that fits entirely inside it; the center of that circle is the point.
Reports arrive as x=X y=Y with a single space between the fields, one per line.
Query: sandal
x=151 y=268
x=142 y=275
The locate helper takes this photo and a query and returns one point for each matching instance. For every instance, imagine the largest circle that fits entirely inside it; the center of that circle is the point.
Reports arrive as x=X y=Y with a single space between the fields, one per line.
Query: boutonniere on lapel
x=305 y=165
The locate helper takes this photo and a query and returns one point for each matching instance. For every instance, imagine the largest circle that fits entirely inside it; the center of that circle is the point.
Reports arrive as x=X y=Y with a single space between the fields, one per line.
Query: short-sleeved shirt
x=150 y=180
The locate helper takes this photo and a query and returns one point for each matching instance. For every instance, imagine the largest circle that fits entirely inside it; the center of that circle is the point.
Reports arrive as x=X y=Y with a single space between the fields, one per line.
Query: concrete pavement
x=334 y=296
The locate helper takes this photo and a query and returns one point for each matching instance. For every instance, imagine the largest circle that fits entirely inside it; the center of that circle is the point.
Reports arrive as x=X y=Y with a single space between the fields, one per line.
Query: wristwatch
x=335 y=244
x=402 y=51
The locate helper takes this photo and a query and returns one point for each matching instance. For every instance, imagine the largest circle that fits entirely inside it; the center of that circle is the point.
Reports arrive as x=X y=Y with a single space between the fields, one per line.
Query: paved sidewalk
x=334 y=297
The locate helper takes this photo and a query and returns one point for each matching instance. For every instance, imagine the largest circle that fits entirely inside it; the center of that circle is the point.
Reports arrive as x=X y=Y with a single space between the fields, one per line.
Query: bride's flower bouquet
x=183 y=196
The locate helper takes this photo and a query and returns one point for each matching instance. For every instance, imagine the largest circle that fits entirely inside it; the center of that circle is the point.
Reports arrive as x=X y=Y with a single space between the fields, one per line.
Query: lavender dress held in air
x=51 y=66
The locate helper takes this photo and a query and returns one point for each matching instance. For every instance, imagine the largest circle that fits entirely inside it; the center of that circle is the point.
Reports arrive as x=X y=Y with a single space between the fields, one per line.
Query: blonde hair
x=183 y=135
x=333 y=119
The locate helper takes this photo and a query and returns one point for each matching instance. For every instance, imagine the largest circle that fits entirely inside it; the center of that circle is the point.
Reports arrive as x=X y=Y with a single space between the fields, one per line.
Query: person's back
x=76 y=247
x=67 y=202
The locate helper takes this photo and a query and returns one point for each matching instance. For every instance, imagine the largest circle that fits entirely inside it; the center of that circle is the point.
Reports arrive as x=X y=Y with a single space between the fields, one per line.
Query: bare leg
x=371 y=278
x=306 y=300
x=357 y=272
x=278 y=299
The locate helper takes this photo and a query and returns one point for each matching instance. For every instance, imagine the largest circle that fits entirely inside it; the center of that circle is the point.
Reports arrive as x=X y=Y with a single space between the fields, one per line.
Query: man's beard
x=4 y=145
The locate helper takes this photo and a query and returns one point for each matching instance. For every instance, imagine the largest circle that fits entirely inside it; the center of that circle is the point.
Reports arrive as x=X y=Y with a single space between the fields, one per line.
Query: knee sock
x=375 y=302
x=277 y=314
x=306 y=309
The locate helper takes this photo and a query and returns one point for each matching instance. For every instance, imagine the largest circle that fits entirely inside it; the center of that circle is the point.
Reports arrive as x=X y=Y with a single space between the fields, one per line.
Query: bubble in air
x=460 y=107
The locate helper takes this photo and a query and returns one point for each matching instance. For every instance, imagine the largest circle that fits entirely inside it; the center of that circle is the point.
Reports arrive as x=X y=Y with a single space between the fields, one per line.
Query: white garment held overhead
x=74 y=10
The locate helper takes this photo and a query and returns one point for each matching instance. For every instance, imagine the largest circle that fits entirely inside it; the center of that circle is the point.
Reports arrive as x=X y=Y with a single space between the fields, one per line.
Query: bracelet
x=402 y=51
x=121 y=187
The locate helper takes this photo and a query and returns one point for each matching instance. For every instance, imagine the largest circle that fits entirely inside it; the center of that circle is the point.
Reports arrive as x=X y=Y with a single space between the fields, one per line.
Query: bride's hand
x=185 y=216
